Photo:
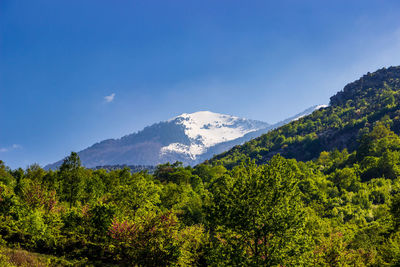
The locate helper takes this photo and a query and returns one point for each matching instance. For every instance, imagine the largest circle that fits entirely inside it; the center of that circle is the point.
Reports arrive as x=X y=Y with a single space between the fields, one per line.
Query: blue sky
x=73 y=73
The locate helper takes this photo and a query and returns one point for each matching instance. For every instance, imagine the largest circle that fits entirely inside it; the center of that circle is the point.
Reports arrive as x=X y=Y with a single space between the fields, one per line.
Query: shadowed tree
x=72 y=178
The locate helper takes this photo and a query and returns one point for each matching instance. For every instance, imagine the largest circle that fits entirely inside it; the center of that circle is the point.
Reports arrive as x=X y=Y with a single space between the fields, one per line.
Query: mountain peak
x=206 y=129
x=368 y=87
x=189 y=138
x=202 y=115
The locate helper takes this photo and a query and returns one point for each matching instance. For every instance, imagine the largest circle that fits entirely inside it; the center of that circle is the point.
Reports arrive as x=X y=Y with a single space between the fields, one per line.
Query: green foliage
x=337 y=203
x=259 y=209
x=100 y=217
x=157 y=240
x=340 y=209
x=72 y=178
x=334 y=251
x=373 y=99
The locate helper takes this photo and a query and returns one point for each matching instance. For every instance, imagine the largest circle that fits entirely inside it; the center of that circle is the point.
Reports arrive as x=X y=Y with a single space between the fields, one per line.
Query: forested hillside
x=336 y=202
x=351 y=113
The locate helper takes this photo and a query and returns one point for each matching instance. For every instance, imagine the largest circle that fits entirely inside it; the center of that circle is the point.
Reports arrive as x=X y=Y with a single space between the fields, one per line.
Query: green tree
x=346 y=178
x=5 y=175
x=139 y=195
x=72 y=178
x=257 y=215
x=157 y=240
x=100 y=217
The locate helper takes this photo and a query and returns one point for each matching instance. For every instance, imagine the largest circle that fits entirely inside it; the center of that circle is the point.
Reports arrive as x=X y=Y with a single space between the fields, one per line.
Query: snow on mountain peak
x=206 y=129
x=190 y=138
x=321 y=106
x=309 y=111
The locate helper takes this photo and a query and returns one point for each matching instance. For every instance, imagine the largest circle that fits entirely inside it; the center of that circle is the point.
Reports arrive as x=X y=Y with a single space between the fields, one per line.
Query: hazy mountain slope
x=353 y=111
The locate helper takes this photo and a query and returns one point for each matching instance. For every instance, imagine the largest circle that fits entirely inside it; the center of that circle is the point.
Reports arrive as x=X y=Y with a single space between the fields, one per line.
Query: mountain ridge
x=352 y=112
x=190 y=138
x=163 y=141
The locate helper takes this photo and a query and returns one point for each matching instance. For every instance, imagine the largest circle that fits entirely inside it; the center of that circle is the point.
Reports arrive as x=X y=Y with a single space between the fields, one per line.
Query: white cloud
x=109 y=98
x=10 y=148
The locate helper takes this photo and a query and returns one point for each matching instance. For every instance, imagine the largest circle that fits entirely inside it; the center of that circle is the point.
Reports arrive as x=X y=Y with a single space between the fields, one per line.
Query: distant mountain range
x=189 y=138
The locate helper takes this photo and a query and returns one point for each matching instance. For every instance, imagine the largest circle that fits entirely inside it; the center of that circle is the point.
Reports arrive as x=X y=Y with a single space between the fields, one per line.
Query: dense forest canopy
x=321 y=191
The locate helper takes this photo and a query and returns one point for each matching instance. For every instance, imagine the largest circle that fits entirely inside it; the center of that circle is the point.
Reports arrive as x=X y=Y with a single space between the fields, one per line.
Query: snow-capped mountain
x=206 y=129
x=190 y=138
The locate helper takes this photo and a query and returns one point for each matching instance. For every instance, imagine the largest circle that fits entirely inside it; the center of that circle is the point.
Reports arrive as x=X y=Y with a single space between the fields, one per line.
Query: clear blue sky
x=264 y=60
